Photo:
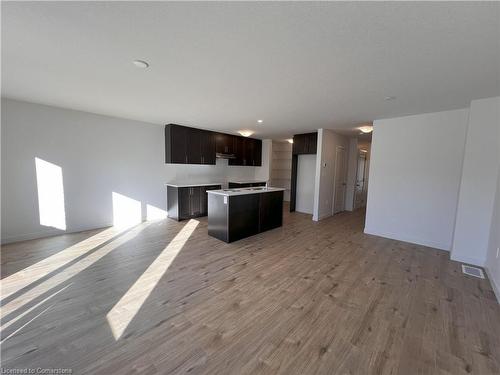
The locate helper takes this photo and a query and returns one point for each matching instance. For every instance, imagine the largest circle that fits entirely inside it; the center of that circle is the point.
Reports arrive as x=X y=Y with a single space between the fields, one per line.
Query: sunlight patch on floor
x=21 y=279
x=120 y=316
x=69 y=272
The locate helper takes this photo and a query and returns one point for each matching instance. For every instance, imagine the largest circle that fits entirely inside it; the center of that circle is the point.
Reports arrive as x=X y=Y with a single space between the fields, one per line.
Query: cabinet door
x=299 y=144
x=194 y=139
x=248 y=151
x=224 y=143
x=271 y=210
x=312 y=143
x=207 y=147
x=243 y=218
x=304 y=143
x=184 y=202
x=195 y=201
x=239 y=151
x=176 y=143
x=257 y=153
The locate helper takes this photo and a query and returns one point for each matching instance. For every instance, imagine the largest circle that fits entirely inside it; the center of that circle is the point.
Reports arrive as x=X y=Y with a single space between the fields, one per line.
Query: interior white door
x=340 y=180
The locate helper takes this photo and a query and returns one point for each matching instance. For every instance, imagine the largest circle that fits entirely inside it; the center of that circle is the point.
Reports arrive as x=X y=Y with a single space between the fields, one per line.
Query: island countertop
x=244 y=191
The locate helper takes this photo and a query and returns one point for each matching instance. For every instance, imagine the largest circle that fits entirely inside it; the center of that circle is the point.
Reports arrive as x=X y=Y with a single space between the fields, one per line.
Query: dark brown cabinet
x=248 y=152
x=225 y=144
x=175 y=144
x=305 y=143
x=235 y=185
x=271 y=210
x=188 y=201
x=184 y=145
x=235 y=217
x=207 y=147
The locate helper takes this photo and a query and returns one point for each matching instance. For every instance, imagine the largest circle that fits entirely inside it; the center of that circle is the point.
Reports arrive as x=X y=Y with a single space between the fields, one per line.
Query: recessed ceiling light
x=290 y=140
x=141 y=64
x=260 y=121
x=366 y=129
x=246 y=133
x=389 y=98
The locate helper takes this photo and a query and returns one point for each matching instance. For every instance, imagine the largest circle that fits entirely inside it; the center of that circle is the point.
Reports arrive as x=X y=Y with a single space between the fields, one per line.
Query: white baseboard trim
x=469 y=260
x=50 y=233
x=410 y=239
x=324 y=216
x=496 y=288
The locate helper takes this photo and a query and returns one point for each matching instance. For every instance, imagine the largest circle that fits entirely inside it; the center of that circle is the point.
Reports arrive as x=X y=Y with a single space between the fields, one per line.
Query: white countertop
x=243 y=191
x=246 y=181
x=191 y=184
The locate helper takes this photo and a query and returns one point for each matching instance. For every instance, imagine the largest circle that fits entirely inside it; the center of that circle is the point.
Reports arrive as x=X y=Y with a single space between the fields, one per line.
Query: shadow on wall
x=126 y=211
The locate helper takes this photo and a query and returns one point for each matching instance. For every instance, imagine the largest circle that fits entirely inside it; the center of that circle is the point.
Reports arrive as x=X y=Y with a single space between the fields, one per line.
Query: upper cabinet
x=225 y=144
x=305 y=143
x=248 y=152
x=185 y=145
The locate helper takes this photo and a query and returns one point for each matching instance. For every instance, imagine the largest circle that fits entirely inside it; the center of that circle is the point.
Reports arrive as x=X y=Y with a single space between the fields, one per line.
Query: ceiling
x=298 y=66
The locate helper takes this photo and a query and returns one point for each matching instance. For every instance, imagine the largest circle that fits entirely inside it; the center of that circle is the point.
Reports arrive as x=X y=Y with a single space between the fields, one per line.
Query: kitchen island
x=234 y=214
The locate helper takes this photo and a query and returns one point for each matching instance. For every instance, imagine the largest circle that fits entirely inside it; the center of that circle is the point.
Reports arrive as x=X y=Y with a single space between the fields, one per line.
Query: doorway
x=340 y=180
x=360 y=190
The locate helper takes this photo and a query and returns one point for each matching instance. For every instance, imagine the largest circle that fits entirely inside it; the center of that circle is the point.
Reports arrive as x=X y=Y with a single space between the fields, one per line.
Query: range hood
x=220 y=155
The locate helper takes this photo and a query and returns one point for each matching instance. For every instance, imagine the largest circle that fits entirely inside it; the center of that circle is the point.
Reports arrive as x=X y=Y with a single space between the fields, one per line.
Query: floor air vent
x=472 y=271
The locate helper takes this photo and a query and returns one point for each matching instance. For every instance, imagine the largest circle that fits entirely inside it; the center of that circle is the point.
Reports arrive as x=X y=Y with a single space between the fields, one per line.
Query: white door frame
x=337 y=148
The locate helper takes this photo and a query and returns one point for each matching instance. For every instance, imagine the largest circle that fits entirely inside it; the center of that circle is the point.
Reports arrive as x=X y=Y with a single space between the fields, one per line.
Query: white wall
x=306 y=167
x=492 y=263
x=98 y=155
x=328 y=140
x=478 y=183
x=264 y=172
x=415 y=171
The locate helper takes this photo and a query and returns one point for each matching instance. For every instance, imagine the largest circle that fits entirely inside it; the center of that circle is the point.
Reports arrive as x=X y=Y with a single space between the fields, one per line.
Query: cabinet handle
x=186 y=157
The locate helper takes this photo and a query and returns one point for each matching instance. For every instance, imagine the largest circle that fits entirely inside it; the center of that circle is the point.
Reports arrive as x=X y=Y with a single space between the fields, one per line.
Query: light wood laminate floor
x=307 y=298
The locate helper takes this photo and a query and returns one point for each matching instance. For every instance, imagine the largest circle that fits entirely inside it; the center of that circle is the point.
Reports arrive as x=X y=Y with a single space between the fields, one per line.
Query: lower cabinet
x=233 y=185
x=188 y=202
x=270 y=210
x=232 y=218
